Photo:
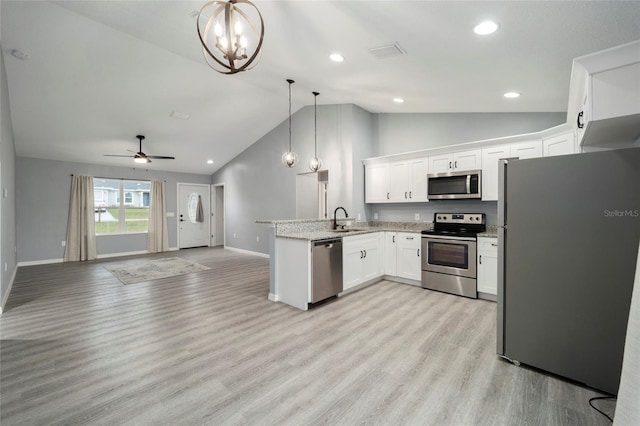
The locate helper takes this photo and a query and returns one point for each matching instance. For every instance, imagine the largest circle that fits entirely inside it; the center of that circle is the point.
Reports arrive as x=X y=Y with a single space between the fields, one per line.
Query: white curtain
x=158 y=234
x=81 y=229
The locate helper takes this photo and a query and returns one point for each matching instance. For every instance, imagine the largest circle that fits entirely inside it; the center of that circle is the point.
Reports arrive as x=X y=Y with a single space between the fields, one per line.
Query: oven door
x=449 y=255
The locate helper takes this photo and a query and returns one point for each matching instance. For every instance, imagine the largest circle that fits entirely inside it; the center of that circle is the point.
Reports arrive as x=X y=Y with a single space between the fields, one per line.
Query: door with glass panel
x=193 y=215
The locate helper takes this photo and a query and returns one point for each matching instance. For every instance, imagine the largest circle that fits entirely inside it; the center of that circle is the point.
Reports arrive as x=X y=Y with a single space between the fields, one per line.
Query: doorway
x=194 y=209
x=217 y=216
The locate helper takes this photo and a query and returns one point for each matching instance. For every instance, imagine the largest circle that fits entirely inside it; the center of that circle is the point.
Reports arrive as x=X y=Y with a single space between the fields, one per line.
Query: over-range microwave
x=454 y=185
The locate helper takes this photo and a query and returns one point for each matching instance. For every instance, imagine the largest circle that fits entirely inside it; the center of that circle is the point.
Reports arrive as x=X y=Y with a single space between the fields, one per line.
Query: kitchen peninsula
x=371 y=251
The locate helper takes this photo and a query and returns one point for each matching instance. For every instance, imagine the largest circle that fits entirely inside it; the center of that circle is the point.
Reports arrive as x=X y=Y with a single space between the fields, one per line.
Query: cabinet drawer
x=486 y=244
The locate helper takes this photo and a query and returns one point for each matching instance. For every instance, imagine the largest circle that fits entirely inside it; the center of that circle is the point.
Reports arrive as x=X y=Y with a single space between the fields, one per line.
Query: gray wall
x=44 y=188
x=258 y=186
x=398 y=133
x=8 y=261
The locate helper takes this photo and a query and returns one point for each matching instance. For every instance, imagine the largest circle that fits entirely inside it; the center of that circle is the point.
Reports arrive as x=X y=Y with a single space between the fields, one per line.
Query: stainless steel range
x=449 y=253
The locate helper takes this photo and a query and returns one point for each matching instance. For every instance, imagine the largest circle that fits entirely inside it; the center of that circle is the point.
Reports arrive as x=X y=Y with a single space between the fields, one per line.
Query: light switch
x=417 y=216
x=375 y=216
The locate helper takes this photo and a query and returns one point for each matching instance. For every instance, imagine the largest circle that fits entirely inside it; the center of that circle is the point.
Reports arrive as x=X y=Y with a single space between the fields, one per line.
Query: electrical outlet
x=375 y=216
x=417 y=216
x=64 y=243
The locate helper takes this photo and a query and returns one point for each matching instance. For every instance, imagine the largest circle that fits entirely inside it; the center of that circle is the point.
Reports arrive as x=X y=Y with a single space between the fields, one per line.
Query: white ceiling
x=101 y=72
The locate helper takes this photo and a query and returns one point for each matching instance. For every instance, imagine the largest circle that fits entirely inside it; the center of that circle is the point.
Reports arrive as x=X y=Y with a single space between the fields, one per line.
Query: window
x=114 y=217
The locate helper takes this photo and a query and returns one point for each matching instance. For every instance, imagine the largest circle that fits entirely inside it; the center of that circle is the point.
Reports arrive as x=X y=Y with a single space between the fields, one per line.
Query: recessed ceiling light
x=486 y=27
x=398 y=100
x=209 y=161
x=512 y=95
x=336 y=57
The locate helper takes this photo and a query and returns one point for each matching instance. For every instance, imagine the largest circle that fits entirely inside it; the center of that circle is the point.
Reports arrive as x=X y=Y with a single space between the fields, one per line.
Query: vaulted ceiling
x=101 y=72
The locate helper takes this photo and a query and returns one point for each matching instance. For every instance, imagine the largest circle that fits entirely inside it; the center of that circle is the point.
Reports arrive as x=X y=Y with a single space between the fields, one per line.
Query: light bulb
x=238 y=27
x=289 y=159
x=141 y=160
x=315 y=164
x=243 y=42
x=224 y=43
x=218 y=29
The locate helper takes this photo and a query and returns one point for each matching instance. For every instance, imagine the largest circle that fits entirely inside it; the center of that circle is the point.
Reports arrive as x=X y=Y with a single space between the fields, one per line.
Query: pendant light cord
x=290 y=83
x=315 y=123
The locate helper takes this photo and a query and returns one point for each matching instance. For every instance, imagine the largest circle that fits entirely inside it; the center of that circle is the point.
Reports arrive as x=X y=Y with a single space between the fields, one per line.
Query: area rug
x=147 y=270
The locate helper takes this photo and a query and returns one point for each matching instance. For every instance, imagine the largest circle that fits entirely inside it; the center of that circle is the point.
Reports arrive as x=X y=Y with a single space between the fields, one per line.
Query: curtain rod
x=102 y=177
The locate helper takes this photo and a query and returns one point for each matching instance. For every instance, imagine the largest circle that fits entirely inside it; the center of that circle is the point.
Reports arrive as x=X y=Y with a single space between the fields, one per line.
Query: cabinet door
x=377 y=183
x=440 y=163
x=490 y=157
x=352 y=256
x=559 y=145
x=399 y=181
x=488 y=265
x=418 y=170
x=526 y=150
x=408 y=255
x=390 y=244
x=467 y=160
x=372 y=262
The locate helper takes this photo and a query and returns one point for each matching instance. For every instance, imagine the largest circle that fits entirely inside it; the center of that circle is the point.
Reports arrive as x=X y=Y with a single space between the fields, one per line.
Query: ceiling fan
x=141 y=157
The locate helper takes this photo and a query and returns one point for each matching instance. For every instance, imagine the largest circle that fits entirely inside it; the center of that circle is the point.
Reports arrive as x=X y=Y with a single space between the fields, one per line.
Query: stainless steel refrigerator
x=568 y=230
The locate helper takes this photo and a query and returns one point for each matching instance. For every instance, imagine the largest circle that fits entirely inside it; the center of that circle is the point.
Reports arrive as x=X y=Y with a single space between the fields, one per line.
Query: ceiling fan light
x=141 y=160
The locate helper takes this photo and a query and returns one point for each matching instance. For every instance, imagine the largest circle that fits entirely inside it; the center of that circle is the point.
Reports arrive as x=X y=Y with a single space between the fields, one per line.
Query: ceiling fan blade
x=160 y=157
x=114 y=155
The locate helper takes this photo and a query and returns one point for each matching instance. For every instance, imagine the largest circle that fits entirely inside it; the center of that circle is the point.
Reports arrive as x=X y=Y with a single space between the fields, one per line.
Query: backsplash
x=401 y=212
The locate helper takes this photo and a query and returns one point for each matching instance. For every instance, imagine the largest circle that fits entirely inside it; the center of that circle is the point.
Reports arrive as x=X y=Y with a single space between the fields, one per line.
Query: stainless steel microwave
x=454 y=185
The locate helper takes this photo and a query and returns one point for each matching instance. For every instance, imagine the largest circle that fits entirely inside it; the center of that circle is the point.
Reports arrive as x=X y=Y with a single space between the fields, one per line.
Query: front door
x=193 y=215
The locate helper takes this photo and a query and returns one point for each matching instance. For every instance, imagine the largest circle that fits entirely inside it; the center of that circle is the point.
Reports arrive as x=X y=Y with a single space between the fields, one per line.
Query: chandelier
x=221 y=29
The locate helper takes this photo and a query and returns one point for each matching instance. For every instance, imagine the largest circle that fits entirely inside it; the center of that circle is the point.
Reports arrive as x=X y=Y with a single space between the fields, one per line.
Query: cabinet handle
x=494 y=244
x=418 y=252
x=393 y=238
x=455 y=165
x=408 y=238
x=361 y=254
x=405 y=195
x=580 y=119
x=365 y=253
x=387 y=195
x=480 y=259
x=409 y=194
x=449 y=164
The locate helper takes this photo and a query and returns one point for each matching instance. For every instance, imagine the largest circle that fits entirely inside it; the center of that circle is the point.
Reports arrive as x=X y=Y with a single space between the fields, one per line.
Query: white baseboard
x=128 y=253
x=403 y=280
x=40 y=262
x=6 y=295
x=273 y=297
x=254 y=253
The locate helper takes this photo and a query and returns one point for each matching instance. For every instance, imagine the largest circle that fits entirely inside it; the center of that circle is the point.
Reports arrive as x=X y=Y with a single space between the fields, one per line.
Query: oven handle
x=440 y=238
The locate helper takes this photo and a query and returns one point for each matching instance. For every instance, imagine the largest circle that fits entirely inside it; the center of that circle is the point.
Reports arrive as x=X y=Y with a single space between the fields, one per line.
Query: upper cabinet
x=402 y=181
x=457 y=161
x=604 y=97
x=493 y=154
x=561 y=144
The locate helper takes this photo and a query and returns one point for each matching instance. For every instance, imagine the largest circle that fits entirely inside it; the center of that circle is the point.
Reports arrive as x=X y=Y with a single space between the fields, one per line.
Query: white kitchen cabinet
x=488 y=265
x=524 y=150
x=491 y=156
x=377 y=183
x=399 y=181
x=456 y=161
x=562 y=144
x=408 y=256
x=418 y=169
x=390 y=247
x=361 y=259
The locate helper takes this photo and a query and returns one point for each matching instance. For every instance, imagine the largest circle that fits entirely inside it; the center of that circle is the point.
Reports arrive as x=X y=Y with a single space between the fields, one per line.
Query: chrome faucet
x=335 y=216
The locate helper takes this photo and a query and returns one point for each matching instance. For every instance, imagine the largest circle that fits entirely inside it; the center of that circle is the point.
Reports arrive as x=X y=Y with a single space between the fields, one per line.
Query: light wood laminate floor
x=79 y=347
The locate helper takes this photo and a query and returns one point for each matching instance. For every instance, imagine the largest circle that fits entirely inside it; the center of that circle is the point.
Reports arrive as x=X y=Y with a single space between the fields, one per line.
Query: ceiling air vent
x=387 y=50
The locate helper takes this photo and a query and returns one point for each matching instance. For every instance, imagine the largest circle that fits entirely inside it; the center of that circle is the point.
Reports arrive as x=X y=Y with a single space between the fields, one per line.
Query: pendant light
x=315 y=164
x=290 y=158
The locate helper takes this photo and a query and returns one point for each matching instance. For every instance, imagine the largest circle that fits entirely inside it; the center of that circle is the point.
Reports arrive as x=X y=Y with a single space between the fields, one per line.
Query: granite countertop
x=359 y=228
x=491 y=232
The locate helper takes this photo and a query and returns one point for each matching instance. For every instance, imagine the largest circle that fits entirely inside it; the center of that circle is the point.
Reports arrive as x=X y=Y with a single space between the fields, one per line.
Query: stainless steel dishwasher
x=326 y=269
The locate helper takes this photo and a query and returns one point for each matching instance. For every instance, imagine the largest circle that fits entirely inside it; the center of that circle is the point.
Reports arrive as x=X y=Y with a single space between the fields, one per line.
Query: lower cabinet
x=488 y=265
x=361 y=259
x=390 y=248
x=408 y=256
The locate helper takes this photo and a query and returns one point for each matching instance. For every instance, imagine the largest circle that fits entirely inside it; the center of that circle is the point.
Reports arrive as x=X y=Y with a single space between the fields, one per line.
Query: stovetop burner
x=458 y=224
